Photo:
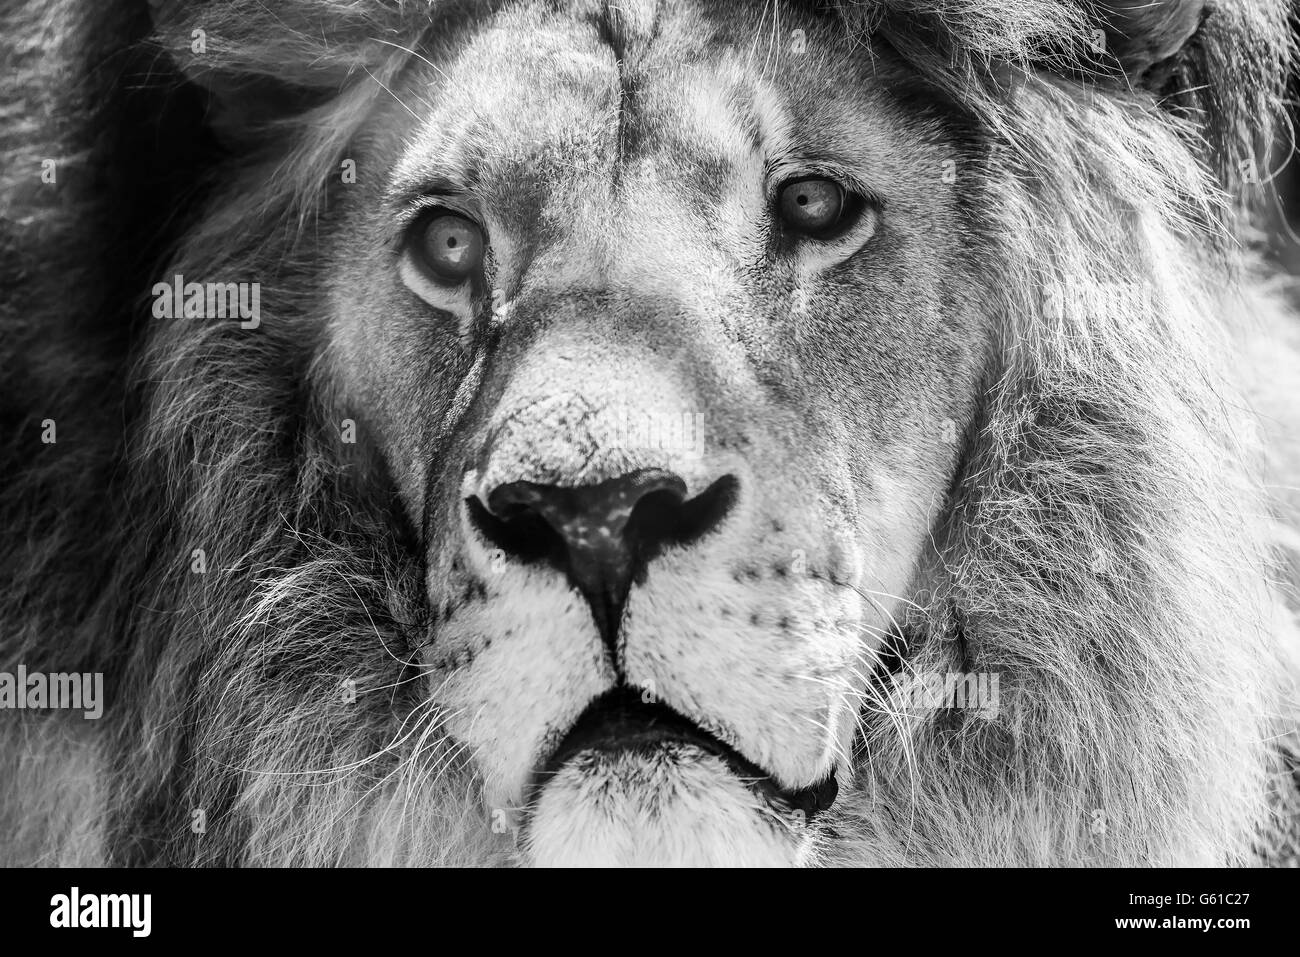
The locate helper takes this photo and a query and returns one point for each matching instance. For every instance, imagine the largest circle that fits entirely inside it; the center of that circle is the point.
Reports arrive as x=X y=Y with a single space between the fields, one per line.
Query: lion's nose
x=602 y=536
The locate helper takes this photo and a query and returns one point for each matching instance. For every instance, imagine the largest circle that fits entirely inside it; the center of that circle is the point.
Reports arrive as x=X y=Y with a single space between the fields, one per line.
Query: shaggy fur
x=1115 y=545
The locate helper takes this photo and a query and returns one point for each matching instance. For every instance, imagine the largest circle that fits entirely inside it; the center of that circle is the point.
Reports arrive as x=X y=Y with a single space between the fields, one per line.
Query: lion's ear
x=1221 y=64
x=1145 y=34
x=263 y=60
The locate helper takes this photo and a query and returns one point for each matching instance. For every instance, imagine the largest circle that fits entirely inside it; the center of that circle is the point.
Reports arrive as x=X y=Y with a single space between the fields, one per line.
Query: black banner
x=220 y=907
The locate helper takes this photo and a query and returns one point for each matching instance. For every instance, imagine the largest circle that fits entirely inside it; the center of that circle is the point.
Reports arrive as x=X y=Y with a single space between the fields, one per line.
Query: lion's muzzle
x=601 y=536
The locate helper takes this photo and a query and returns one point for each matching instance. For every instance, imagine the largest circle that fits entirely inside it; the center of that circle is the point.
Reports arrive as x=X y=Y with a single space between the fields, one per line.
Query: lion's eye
x=814 y=207
x=451 y=246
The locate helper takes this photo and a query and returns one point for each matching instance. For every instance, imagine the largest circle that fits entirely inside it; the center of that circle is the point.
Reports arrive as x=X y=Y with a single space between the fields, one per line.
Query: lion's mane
x=1106 y=548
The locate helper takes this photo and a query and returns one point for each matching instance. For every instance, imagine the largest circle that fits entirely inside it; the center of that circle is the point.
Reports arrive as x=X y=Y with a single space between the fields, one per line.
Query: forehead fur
x=341 y=59
x=545 y=103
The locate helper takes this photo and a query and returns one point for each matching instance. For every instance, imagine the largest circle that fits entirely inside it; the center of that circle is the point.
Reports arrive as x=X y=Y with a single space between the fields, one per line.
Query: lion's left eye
x=450 y=246
x=814 y=207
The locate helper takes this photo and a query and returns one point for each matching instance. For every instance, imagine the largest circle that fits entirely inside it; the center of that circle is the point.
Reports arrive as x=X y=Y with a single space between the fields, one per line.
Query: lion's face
x=665 y=331
x=659 y=393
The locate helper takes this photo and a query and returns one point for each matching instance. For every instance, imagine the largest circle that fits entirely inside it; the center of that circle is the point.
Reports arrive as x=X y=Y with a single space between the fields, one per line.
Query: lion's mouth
x=620 y=721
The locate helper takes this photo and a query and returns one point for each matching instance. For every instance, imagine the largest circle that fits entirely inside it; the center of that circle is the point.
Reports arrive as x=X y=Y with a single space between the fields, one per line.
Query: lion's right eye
x=819 y=208
x=449 y=246
x=813 y=206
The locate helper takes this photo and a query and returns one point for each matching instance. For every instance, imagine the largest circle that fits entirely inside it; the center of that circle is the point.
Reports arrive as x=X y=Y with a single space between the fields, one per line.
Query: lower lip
x=622 y=731
x=809 y=801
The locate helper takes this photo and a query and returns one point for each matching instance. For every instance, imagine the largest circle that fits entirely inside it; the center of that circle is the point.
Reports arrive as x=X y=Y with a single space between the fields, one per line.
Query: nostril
x=602 y=536
x=519 y=533
x=662 y=519
x=607 y=502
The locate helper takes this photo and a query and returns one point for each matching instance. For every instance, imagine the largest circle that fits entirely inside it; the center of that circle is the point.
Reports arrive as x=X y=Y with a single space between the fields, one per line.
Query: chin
x=670 y=806
x=635 y=784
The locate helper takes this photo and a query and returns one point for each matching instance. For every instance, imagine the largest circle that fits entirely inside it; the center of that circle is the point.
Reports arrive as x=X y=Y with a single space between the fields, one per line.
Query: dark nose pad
x=602 y=536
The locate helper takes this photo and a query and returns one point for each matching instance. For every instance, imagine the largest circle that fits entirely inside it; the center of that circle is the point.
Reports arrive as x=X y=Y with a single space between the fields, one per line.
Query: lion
x=565 y=432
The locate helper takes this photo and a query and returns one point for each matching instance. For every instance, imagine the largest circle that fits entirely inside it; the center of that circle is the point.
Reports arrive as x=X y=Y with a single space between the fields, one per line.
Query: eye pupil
x=449 y=245
x=813 y=207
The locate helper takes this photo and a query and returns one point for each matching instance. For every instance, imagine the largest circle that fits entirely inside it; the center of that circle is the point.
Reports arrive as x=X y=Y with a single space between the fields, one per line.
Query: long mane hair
x=256 y=606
